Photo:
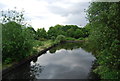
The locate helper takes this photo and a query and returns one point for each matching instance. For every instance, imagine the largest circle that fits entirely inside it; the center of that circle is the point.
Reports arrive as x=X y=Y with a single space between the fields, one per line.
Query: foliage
x=37 y=43
x=60 y=38
x=104 y=38
x=70 y=38
x=67 y=46
x=81 y=38
x=32 y=31
x=12 y=15
x=68 y=31
x=17 y=40
x=52 y=38
x=40 y=45
x=41 y=34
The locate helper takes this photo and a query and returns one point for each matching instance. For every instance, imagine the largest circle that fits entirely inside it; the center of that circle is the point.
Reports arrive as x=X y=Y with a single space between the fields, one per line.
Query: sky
x=46 y=13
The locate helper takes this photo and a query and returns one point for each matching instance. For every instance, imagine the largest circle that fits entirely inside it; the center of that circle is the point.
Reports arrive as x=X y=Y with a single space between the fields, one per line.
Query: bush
x=42 y=39
x=17 y=42
x=52 y=38
x=81 y=38
x=37 y=43
x=70 y=38
x=60 y=38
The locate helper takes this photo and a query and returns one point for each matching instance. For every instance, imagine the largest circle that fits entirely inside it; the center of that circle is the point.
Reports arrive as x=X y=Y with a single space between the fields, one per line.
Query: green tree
x=17 y=40
x=41 y=34
x=70 y=32
x=104 y=37
x=52 y=32
x=78 y=33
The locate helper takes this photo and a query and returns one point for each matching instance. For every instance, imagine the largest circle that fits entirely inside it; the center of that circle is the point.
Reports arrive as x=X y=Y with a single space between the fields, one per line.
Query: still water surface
x=66 y=61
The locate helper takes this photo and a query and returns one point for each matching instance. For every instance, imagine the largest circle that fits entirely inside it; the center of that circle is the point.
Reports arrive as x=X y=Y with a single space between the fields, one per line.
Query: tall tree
x=105 y=37
x=16 y=39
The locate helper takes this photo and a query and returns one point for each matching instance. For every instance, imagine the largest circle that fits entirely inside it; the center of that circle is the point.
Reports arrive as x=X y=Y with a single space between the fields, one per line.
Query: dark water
x=66 y=61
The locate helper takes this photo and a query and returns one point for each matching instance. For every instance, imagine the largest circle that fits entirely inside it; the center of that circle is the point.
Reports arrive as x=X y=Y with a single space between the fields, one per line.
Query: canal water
x=66 y=61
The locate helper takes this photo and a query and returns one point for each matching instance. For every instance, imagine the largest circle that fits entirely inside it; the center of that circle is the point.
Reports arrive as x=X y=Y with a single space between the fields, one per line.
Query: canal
x=65 y=61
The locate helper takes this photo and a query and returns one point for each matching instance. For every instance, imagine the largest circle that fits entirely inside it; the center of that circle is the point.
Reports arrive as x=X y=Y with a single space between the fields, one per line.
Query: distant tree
x=78 y=33
x=70 y=32
x=60 y=38
x=52 y=32
x=41 y=34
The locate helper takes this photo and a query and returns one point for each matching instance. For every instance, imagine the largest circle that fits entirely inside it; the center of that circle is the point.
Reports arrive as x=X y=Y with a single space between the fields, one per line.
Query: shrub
x=16 y=41
x=81 y=38
x=53 y=38
x=70 y=38
x=60 y=38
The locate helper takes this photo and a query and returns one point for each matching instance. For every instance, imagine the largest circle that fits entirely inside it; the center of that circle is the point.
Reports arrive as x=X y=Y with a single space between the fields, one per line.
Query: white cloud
x=46 y=13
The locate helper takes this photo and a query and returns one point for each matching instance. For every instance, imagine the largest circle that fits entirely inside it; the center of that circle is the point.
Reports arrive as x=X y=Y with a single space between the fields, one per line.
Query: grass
x=40 y=45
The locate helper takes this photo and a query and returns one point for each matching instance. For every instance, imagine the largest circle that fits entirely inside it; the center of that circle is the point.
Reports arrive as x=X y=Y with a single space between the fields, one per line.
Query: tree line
x=102 y=32
x=18 y=38
x=72 y=31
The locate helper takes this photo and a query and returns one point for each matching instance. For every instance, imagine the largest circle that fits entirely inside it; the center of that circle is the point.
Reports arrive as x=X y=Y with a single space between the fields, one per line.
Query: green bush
x=17 y=42
x=81 y=38
x=8 y=60
x=42 y=39
x=60 y=38
x=17 y=39
x=70 y=38
x=52 y=38
x=37 y=43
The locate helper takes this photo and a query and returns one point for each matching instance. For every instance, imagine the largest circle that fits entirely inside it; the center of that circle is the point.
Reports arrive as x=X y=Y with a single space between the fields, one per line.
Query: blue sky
x=46 y=13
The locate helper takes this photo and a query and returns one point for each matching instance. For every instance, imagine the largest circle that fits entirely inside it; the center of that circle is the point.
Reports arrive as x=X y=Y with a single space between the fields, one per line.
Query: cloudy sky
x=46 y=13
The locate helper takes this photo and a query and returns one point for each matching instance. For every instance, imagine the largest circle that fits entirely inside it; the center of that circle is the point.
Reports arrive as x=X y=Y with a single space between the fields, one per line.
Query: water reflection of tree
x=67 y=46
x=26 y=71
x=34 y=59
x=87 y=48
x=23 y=72
x=36 y=69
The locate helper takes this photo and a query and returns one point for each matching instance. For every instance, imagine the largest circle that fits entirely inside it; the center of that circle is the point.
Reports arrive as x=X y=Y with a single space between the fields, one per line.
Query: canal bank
x=28 y=59
x=63 y=61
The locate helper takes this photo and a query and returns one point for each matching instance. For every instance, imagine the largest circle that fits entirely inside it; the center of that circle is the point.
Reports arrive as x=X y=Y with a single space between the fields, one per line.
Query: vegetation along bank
x=101 y=36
